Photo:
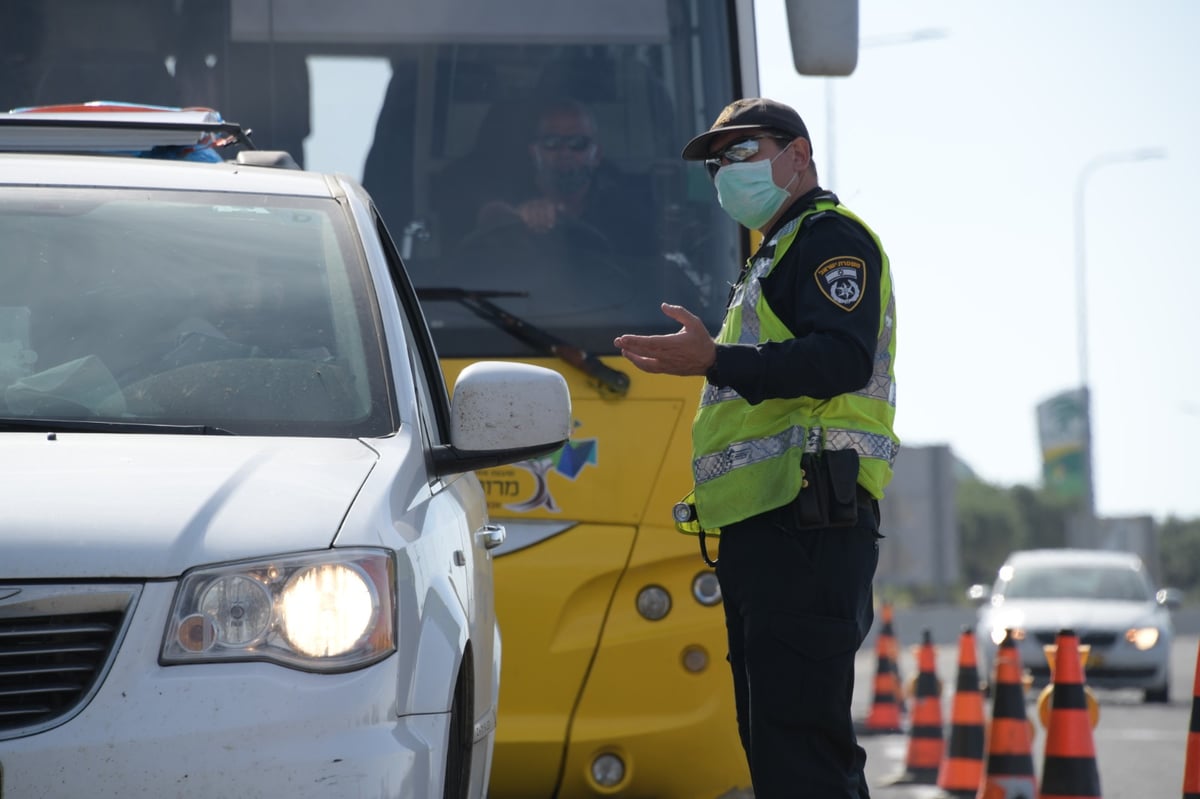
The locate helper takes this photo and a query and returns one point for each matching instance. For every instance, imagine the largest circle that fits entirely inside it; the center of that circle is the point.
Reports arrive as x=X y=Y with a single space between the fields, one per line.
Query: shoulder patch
x=843 y=280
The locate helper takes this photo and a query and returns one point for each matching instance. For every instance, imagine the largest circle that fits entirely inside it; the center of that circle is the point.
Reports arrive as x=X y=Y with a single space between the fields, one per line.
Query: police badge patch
x=843 y=280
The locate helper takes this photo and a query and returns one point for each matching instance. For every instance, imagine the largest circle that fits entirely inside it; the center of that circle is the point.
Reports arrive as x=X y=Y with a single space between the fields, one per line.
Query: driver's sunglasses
x=738 y=151
x=577 y=143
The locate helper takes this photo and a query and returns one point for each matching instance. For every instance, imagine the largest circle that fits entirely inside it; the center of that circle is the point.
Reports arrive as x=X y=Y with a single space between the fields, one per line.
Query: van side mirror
x=502 y=413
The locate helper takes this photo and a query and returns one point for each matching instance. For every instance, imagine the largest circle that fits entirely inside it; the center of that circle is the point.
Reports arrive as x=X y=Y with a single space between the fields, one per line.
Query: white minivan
x=242 y=549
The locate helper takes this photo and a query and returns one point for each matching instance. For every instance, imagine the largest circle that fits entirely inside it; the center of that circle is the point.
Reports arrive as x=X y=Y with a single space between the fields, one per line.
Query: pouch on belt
x=829 y=496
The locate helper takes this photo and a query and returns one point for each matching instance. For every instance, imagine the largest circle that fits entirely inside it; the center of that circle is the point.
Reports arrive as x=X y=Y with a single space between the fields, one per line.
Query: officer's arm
x=827 y=292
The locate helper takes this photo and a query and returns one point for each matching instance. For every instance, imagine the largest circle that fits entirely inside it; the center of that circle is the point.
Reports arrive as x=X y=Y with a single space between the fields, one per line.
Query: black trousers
x=798 y=604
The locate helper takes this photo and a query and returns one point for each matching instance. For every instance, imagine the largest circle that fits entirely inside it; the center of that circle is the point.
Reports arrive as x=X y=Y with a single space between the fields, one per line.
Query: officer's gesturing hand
x=691 y=351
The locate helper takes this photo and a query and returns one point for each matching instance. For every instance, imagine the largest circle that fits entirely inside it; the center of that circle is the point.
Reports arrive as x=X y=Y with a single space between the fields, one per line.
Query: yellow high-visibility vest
x=746 y=458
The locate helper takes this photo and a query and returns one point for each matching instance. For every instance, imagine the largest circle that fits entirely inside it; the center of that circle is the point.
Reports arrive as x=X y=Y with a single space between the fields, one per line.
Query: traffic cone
x=925 y=735
x=961 y=770
x=1069 y=770
x=1191 y=766
x=1008 y=768
x=884 y=716
x=894 y=652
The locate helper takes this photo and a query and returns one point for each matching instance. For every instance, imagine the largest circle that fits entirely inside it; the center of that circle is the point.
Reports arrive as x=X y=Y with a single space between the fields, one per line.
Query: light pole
x=1090 y=168
x=1081 y=313
x=884 y=40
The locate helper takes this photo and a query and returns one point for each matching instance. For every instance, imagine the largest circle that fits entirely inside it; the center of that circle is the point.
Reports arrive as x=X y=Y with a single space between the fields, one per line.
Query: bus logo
x=568 y=462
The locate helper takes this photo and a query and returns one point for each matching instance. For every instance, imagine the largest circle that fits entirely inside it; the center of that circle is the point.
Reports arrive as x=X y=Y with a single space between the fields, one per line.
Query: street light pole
x=1089 y=169
x=885 y=40
x=1081 y=308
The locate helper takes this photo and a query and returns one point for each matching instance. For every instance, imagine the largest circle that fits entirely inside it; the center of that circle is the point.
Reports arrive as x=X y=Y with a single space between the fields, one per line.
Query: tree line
x=995 y=520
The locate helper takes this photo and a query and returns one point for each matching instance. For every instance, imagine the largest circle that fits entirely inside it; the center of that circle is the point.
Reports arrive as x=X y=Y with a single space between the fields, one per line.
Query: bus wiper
x=610 y=380
x=98 y=426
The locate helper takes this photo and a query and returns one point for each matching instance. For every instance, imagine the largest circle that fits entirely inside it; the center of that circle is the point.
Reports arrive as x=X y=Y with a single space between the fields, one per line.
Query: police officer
x=792 y=446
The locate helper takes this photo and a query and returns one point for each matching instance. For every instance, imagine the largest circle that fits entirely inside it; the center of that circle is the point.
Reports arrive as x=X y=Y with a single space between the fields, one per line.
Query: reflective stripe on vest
x=745 y=453
x=746 y=459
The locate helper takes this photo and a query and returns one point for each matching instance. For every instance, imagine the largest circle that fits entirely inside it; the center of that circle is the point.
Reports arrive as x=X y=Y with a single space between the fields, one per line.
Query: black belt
x=783 y=515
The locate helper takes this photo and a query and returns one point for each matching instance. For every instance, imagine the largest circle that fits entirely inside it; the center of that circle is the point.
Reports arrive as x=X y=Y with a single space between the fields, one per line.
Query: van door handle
x=491 y=535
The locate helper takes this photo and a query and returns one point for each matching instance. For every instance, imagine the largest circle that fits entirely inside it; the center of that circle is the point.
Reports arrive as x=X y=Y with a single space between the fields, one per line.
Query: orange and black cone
x=1008 y=768
x=1069 y=770
x=1191 y=766
x=961 y=770
x=925 y=734
x=894 y=652
x=884 y=716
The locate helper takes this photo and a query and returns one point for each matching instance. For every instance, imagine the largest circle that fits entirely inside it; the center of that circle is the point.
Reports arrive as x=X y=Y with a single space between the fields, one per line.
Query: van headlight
x=320 y=611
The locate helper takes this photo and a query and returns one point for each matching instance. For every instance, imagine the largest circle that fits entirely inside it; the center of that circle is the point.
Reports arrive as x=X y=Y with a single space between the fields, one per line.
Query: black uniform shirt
x=835 y=334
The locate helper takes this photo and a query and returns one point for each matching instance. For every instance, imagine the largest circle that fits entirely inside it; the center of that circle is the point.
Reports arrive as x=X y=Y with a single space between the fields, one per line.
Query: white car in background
x=243 y=550
x=1106 y=598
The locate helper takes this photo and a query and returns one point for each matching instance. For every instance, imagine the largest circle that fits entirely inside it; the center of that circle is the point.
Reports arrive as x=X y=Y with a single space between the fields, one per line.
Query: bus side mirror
x=824 y=36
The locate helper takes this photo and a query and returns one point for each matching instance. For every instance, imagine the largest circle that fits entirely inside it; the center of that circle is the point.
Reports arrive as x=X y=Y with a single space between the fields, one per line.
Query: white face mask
x=748 y=193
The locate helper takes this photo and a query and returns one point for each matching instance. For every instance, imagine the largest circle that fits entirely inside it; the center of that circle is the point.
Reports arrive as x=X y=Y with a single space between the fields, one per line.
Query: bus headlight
x=608 y=770
x=653 y=602
x=322 y=611
x=695 y=659
x=706 y=588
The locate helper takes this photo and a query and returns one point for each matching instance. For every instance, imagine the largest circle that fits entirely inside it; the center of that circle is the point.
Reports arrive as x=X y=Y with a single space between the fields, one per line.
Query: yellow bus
x=524 y=156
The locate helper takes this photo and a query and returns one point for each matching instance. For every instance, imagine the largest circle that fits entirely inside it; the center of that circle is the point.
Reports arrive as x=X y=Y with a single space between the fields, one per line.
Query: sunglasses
x=738 y=152
x=577 y=143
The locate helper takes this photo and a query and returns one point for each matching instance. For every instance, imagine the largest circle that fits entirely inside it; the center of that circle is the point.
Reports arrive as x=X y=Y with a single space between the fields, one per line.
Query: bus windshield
x=530 y=147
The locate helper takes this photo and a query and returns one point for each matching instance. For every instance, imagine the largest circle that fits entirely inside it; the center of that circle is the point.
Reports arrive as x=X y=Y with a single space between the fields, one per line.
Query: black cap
x=750 y=113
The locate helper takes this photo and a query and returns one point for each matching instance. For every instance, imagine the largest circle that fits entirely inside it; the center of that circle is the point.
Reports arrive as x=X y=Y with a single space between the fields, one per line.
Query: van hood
x=95 y=505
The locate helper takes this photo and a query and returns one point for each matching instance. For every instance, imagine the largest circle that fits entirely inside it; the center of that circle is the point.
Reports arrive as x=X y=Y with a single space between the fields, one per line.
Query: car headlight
x=999 y=632
x=1000 y=620
x=1142 y=637
x=320 y=611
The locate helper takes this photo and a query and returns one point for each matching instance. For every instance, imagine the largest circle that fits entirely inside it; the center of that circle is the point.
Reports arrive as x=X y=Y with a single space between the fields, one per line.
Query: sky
x=965 y=151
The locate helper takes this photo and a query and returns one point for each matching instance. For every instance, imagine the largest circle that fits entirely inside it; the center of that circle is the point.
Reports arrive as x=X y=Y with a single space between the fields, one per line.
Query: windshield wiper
x=611 y=380
x=97 y=426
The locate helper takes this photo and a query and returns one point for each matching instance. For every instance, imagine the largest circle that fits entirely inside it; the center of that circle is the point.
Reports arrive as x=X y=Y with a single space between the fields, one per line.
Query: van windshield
x=246 y=314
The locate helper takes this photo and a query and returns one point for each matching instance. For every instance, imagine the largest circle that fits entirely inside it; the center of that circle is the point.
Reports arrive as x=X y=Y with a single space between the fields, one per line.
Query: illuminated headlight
x=322 y=611
x=653 y=602
x=998 y=634
x=1142 y=637
x=326 y=609
x=706 y=588
x=608 y=770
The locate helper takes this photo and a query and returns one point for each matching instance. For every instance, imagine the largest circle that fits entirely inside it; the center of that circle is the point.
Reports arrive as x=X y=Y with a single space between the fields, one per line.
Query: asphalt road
x=1140 y=748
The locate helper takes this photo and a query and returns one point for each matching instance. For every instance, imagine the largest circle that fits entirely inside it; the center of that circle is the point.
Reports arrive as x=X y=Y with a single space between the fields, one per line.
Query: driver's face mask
x=564 y=164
